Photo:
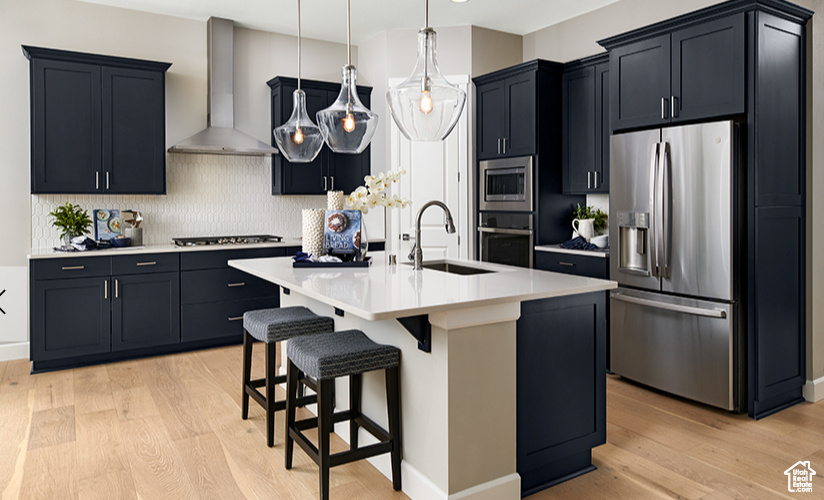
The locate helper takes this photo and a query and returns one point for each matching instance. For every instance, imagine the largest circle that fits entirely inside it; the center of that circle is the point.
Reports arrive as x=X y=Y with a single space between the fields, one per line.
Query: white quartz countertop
x=383 y=292
x=50 y=253
x=558 y=249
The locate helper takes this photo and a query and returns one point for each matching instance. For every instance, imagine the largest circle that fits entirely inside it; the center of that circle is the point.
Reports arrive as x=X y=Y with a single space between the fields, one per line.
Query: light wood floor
x=170 y=427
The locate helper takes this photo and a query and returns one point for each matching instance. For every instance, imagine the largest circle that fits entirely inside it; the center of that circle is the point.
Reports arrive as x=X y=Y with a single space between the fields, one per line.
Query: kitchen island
x=468 y=358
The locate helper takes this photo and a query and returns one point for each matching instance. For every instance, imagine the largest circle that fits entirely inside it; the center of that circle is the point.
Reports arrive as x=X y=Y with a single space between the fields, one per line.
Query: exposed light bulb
x=426 y=102
x=348 y=122
x=298 y=137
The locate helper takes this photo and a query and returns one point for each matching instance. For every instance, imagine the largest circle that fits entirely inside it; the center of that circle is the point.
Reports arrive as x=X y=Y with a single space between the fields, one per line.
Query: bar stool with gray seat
x=325 y=357
x=271 y=326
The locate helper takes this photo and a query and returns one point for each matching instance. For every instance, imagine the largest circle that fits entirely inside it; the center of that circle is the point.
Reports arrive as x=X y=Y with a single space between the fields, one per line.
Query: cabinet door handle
x=105 y=289
x=235 y=318
x=107 y=181
x=664 y=102
x=97 y=180
x=73 y=268
x=568 y=264
x=332 y=183
x=116 y=289
x=153 y=263
x=504 y=142
x=589 y=180
x=595 y=180
x=325 y=185
x=230 y=285
x=674 y=106
x=499 y=145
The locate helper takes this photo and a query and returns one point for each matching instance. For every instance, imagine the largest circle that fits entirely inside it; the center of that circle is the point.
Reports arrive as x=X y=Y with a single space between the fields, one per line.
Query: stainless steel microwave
x=506 y=184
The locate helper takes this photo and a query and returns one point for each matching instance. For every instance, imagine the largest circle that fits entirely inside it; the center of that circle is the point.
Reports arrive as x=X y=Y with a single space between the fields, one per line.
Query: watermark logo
x=800 y=477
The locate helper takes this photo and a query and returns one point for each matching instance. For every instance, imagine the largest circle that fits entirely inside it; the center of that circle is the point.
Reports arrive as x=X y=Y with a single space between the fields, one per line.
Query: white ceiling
x=326 y=19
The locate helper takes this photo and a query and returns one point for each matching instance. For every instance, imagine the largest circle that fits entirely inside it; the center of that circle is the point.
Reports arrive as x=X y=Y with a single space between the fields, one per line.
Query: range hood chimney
x=220 y=136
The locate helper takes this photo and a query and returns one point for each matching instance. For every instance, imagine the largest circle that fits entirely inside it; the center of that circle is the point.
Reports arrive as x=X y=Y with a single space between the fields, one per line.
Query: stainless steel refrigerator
x=674 y=319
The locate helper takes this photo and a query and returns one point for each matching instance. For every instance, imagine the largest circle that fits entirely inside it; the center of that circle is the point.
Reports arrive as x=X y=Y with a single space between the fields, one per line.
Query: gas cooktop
x=226 y=240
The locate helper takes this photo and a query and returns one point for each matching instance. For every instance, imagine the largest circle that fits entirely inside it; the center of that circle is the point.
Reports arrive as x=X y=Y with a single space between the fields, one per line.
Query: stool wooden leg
x=324 y=429
x=354 y=408
x=393 y=402
x=270 y=393
x=291 y=392
x=247 y=372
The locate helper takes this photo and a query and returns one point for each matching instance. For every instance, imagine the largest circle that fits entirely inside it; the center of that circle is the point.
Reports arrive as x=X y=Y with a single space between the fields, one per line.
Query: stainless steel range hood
x=220 y=137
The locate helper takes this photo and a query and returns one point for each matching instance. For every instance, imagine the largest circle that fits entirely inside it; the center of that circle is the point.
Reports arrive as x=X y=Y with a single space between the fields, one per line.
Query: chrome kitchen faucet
x=417 y=253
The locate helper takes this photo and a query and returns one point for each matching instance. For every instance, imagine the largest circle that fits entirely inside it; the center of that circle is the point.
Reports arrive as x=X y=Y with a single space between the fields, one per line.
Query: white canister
x=313 y=230
x=584 y=227
x=334 y=200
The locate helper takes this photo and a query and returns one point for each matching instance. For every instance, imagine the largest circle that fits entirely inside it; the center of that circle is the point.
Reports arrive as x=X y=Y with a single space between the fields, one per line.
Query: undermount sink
x=452 y=268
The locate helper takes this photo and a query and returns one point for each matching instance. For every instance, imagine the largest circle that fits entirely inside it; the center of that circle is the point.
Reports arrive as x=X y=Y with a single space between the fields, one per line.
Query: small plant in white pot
x=71 y=220
x=588 y=221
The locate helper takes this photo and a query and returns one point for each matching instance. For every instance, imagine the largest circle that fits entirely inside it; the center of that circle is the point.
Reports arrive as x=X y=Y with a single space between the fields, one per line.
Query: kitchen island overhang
x=458 y=402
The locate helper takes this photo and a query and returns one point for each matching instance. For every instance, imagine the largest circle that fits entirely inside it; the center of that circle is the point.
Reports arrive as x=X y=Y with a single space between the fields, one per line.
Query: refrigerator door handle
x=665 y=210
x=652 y=242
x=696 y=311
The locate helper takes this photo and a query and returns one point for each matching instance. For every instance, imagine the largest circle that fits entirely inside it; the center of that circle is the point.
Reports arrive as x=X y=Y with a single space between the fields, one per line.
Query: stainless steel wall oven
x=506 y=238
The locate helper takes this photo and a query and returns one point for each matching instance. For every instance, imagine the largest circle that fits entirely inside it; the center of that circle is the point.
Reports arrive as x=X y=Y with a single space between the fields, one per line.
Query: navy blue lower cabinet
x=145 y=310
x=70 y=317
x=561 y=357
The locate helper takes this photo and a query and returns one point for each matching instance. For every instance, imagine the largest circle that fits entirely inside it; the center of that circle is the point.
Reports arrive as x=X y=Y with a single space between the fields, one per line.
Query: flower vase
x=364 y=241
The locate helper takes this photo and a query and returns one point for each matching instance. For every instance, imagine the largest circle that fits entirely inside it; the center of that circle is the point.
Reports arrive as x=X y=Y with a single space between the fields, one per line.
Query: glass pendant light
x=426 y=106
x=347 y=125
x=299 y=140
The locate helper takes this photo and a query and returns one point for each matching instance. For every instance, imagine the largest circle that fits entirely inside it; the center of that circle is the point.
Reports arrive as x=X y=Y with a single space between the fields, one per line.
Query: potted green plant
x=598 y=216
x=71 y=220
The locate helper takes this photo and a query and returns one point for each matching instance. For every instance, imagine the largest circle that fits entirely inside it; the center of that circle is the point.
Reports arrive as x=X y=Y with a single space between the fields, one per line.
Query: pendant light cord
x=299 y=40
x=426 y=14
x=348 y=37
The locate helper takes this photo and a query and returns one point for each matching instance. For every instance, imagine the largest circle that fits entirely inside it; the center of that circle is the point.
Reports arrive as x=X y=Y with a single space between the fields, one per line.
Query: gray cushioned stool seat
x=274 y=325
x=338 y=354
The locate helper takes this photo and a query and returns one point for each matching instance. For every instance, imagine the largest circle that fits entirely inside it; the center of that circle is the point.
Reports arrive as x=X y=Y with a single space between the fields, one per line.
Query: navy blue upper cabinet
x=640 y=83
x=689 y=74
x=134 y=131
x=329 y=171
x=586 y=126
x=507 y=113
x=98 y=123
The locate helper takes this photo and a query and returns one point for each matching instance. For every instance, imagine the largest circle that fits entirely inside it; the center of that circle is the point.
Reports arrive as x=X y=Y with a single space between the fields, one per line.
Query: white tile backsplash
x=207 y=195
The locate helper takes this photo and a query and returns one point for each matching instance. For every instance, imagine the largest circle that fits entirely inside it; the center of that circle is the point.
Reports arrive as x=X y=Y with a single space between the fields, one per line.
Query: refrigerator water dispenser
x=633 y=242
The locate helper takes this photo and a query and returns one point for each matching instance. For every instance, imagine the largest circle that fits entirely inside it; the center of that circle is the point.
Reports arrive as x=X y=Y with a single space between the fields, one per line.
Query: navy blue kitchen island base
x=561 y=353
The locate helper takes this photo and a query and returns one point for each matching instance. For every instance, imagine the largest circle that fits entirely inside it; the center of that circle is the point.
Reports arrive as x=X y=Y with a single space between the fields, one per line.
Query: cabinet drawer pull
x=568 y=264
x=230 y=285
x=236 y=318
x=73 y=268
x=153 y=263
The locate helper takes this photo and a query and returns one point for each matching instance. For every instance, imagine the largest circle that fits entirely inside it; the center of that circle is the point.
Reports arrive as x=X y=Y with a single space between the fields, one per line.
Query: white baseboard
x=814 y=390
x=503 y=487
x=12 y=351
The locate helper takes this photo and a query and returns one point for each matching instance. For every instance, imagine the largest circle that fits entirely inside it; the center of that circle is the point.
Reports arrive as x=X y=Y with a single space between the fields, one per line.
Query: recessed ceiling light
x=459 y=1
